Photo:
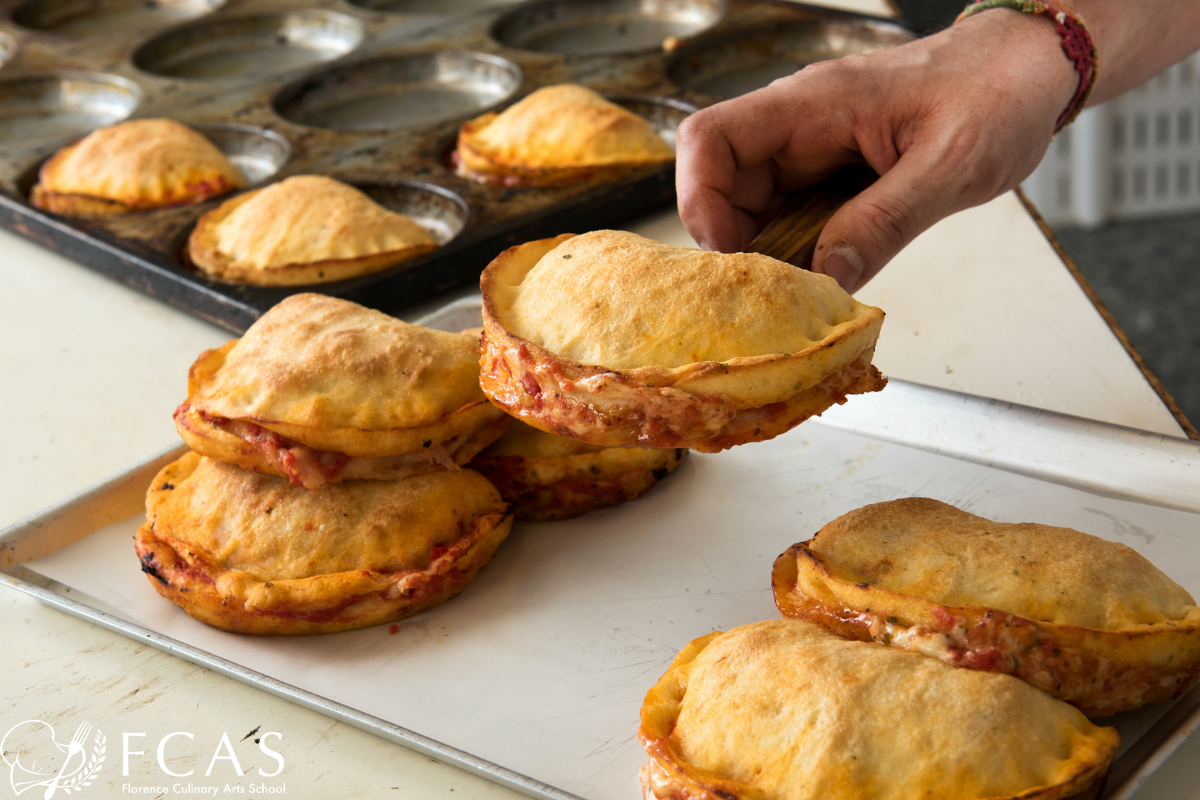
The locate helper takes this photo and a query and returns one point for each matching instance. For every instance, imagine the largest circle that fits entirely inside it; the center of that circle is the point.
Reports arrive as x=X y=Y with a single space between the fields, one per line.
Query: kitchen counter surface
x=92 y=371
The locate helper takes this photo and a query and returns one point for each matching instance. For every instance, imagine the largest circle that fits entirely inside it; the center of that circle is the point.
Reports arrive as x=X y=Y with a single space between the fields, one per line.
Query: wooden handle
x=792 y=235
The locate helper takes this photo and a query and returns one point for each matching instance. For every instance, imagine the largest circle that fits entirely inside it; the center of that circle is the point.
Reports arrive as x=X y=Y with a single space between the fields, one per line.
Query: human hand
x=948 y=122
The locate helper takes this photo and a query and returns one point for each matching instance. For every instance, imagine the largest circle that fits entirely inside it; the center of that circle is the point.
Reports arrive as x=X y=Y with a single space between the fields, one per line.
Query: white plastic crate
x=1137 y=155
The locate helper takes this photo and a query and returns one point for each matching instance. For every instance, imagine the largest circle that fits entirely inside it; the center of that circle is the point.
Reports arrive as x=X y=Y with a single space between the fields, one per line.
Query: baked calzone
x=558 y=134
x=137 y=165
x=251 y=553
x=1089 y=621
x=543 y=476
x=786 y=710
x=305 y=229
x=321 y=390
x=618 y=340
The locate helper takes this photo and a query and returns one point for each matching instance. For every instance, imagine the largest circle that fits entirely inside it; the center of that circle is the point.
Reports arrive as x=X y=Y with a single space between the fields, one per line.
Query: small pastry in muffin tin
x=618 y=340
x=251 y=553
x=322 y=390
x=137 y=165
x=557 y=135
x=1090 y=621
x=305 y=229
x=544 y=477
x=787 y=710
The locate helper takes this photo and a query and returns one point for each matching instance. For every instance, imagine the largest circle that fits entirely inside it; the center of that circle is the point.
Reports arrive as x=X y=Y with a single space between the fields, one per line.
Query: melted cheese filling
x=311 y=468
x=1012 y=645
x=605 y=409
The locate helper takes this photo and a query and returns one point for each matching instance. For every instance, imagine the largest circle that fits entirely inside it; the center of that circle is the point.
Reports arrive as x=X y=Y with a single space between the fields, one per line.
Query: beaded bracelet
x=1077 y=44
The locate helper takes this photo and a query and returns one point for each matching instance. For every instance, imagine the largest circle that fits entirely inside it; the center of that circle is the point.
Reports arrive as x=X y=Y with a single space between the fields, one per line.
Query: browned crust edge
x=205 y=438
x=189 y=583
x=1100 y=660
x=534 y=501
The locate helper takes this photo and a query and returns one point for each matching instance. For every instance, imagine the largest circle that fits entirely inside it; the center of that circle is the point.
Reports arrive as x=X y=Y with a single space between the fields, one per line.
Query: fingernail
x=704 y=245
x=844 y=265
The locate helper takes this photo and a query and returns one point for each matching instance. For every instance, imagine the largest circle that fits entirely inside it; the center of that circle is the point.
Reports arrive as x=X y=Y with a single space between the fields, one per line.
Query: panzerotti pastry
x=134 y=166
x=306 y=229
x=786 y=710
x=545 y=477
x=321 y=390
x=617 y=340
x=1089 y=621
x=253 y=554
x=558 y=134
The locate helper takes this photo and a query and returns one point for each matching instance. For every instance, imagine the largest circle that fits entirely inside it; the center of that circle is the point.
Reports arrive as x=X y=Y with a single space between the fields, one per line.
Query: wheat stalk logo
x=24 y=777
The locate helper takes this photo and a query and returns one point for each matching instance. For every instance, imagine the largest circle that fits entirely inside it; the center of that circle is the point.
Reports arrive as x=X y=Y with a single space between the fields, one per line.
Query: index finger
x=712 y=147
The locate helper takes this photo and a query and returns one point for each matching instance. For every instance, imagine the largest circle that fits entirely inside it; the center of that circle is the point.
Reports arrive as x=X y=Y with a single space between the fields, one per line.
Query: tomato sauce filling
x=312 y=468
x=606 y=408
x=1001 y=642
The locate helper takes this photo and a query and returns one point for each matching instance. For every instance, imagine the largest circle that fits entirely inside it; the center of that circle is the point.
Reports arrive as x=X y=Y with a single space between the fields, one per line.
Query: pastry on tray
x=559 y=134
x=251 y=553
x=138 y=165
x=305 y=229
x=786 y=710
x=546 y=477
x=617 y=340
x=321 y=390
x=1090 y=621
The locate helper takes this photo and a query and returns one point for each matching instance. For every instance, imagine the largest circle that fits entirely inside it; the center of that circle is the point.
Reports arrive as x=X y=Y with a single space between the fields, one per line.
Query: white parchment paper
x=541 y=664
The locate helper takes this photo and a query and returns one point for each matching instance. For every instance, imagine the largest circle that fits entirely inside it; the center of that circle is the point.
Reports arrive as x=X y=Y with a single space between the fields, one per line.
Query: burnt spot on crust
x=149 y=567
x=166 y=487
x=679 y=452
x=661 y=473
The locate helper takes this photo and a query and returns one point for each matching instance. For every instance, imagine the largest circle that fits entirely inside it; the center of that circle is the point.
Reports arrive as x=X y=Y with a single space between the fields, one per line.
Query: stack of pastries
x=327 y=485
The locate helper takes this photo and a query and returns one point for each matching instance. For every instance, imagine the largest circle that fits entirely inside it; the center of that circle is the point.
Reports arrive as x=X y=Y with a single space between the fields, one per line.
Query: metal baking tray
x=371 y=92
x=533 y=677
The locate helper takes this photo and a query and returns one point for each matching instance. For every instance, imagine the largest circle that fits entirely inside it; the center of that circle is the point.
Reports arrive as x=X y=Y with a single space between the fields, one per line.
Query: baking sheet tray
x=372 y=93
x=535 y=674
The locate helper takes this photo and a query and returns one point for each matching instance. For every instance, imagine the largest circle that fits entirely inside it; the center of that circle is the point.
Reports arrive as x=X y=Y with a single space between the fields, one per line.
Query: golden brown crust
x=306 y=229
x=558 y=135
x=1018 y=599
x=137 y=165
x=785 y=710
x=250 y=553
x=338 y=377
x=666 y=355
x=545 y=477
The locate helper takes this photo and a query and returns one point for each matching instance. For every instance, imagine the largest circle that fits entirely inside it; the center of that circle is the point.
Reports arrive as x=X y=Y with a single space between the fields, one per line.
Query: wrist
x=1027 y=55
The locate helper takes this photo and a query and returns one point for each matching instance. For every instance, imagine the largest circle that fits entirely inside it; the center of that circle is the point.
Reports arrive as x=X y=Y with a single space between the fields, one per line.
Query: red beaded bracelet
x=1076 y=43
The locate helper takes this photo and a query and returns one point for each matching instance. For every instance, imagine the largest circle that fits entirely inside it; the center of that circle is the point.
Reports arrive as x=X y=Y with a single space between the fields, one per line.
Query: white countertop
x=92 y=371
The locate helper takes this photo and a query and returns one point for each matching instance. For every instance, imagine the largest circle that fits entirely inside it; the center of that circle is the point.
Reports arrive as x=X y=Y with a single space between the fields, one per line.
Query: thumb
x=870 y=229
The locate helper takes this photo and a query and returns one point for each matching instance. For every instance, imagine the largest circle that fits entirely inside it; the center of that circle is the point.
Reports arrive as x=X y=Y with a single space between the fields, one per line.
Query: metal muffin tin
x=371 y=92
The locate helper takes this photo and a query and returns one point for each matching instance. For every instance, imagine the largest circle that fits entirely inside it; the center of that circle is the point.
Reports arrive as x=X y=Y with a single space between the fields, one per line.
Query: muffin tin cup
x=107 y=17
x=565 y=27
x=399 y=92
x=749 y=59
x=61 y=105
x=251 y=46
x=372 y=96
